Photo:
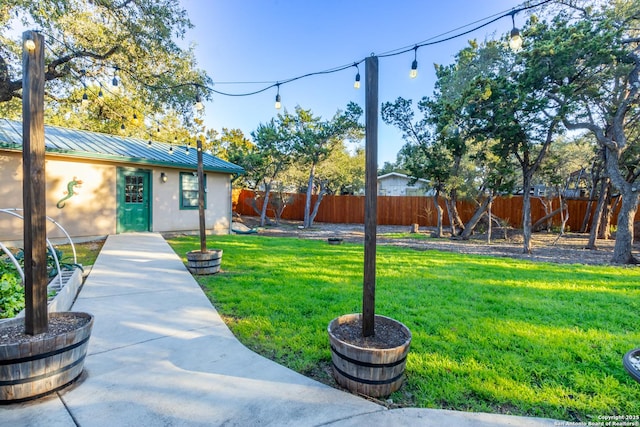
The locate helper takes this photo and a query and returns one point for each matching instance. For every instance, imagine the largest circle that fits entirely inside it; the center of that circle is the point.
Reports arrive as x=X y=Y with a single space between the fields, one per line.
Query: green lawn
x=489 y=334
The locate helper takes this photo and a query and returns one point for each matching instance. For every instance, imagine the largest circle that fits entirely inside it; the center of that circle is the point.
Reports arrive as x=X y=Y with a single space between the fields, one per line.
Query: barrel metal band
x=42 y=376
x=43 y=355
x=367 y=364
x=366 y=381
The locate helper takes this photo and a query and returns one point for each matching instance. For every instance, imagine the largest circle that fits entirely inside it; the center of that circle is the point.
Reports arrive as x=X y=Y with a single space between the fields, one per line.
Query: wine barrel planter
x=202 y=263
x=373 y=372
x=631 y=363
x=45 y=364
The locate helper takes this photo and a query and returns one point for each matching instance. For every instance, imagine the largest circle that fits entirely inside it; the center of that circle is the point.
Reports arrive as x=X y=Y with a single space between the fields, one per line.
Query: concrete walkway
x=160 y=355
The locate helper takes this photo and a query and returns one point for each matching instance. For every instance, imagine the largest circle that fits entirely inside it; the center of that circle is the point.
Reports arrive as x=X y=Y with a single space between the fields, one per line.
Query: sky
x=269 y=41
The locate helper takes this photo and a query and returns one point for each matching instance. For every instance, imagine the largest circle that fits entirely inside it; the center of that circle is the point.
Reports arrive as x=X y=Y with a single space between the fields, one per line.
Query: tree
x=230 y=140
x=314 y=140
x=592 y=57
x=264 y=160
x=92 y=44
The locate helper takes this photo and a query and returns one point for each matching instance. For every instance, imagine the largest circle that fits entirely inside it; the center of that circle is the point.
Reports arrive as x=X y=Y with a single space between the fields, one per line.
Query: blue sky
x=273 y=40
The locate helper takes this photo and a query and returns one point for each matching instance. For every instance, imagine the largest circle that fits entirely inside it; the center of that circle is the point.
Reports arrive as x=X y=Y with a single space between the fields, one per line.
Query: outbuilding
x=99 y=184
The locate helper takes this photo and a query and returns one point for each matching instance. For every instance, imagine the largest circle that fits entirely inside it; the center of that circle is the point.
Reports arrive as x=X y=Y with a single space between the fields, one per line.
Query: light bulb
x=30 y=45
x=85 y=99
x=356 y=84
x=199 y=106
x=122 y=128
x=278 y=103
x=515 y=41
x=414 y=69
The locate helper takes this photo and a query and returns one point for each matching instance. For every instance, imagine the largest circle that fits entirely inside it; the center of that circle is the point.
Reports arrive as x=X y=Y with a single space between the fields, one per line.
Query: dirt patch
x=569 y=248
x=387 y=334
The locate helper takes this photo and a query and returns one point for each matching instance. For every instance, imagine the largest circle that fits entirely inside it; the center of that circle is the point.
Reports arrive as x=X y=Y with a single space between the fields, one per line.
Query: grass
x=489 y=334
x=86 y=252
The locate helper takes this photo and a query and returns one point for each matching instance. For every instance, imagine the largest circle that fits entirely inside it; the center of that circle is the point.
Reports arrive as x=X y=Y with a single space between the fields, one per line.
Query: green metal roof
x=100 y=146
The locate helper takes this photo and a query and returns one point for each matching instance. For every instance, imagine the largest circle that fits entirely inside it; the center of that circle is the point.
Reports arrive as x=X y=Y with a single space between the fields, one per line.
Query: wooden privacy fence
x=407 y=210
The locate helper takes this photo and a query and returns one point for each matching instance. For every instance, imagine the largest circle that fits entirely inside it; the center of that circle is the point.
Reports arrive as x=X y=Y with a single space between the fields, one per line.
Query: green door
x=134 y=199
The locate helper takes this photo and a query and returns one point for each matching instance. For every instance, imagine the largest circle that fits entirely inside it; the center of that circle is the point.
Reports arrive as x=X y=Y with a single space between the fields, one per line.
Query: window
x=189 y=190
x=134 y=189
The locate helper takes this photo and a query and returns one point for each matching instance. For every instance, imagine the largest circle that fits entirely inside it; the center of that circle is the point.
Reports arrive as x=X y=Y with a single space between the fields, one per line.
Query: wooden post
x=33 y=186
x=203 y=235
x=371 y=196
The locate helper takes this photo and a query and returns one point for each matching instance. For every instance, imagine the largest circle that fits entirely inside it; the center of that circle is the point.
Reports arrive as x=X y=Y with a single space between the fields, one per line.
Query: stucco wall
x=91 y=211
x=167 y=215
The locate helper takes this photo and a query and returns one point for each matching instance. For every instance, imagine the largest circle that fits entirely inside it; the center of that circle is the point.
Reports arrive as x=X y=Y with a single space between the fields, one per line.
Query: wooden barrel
x=33 y=369
x=373 y=372
x=202 y=263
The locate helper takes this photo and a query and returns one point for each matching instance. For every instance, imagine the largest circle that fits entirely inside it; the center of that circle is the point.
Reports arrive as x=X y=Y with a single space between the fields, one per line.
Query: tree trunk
x=475 y=219
x=526 y=213
x=489 y=215
x=316 y=205
x=595 y=175
x=605 y=224
x=624 y=234
x=597 y=215
x=307 y=203
x=438 y=232
x=452 y=221
x=265 y=204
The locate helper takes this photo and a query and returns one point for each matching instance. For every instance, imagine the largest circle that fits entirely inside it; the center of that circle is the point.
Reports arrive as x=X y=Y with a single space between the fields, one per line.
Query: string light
x=414 y=65
x=515 y=43
x=515 y=40
x=30 y=45
x=149 y=143
x=100 y=94
x=85 y=99
x=278 y=104
x=122 y=128
x=199 y=106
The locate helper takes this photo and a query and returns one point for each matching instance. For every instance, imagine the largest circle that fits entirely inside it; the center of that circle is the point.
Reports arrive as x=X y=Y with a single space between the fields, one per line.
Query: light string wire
x=272 y=84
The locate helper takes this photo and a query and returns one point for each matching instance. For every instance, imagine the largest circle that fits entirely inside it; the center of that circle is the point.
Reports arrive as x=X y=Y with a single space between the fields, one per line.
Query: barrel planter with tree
x=42 y=352
x=203 y=263
x=368 y=351
x=373 y=367
x=33 y=366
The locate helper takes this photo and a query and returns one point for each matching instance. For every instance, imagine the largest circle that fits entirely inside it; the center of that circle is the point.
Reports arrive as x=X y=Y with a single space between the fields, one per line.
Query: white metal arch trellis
x=14 y=212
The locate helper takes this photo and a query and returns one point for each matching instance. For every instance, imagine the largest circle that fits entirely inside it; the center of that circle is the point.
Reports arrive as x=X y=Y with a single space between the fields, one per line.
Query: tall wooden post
x=203 y=235
x=371 y=196
x=33 y=185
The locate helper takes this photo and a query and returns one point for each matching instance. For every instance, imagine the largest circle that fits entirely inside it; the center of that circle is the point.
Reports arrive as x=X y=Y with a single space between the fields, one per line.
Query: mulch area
x=569 y=248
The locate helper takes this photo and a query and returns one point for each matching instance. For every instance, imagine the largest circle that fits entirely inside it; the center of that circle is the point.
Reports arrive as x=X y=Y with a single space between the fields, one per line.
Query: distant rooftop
x=99 y=146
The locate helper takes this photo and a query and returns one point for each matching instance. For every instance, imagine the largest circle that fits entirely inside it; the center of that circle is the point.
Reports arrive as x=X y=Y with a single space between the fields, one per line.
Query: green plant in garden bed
x=11 y=290
x=489 y=334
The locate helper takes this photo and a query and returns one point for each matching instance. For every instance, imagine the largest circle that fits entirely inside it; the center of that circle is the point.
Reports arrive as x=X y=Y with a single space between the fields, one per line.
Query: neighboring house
x=98 y=184
x=397 y=184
